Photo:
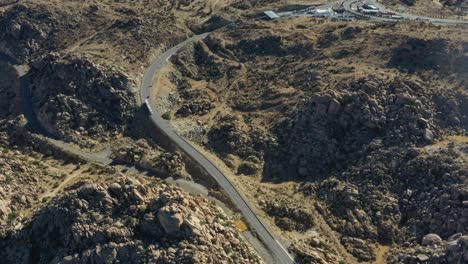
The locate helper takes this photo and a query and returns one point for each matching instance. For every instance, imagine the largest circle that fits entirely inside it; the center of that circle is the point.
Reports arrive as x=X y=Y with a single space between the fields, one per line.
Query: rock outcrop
x=315 y=250
x=75 y=99
x=452 y=250
x=228 y=138
x=28 y=31
x=288 y=216
x=438 y=55
x=127 y=221
x=373 y=164
x=339 y=126
x=151 y=158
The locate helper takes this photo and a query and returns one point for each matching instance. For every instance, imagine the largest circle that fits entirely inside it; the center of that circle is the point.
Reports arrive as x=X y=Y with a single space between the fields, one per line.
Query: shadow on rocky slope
x=363 y=152
x=438 y=55
x=338 y=127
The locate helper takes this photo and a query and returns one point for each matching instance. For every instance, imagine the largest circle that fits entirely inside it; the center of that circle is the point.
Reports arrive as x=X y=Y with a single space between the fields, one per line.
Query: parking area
x=349 y=10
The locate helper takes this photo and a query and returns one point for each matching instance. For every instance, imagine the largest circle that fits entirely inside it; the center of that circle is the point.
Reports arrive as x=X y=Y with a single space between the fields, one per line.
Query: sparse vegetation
x=337 y=109
x=346 y=136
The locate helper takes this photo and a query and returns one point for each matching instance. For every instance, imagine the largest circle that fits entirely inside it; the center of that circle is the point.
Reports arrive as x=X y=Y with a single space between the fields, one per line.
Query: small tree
x=167 y=115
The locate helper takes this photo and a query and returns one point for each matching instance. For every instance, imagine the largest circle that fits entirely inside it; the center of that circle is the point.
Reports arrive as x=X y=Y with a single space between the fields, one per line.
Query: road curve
x=279 y=253
x=34 y=124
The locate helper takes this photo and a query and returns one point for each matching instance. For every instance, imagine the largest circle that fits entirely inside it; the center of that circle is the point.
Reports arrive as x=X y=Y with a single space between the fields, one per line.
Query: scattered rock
x=150 y=157
x=334 y=107
x=428 y=135
x=422 y=257
x=248 y=168
x=431 y=240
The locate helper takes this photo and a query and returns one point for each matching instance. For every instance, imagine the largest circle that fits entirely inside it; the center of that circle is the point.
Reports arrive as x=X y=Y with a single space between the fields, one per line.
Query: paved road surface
x=101 y=157
x=278 y=251
x=280 y=254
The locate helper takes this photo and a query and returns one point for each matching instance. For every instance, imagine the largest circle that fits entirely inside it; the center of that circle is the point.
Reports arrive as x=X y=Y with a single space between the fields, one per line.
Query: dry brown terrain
x=430 y=8
x=281 y=105
x=85 y=59
x=350 y=138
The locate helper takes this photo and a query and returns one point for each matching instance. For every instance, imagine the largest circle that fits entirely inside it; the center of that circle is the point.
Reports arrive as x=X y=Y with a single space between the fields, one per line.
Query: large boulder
x=431 y=240
x=170 y=219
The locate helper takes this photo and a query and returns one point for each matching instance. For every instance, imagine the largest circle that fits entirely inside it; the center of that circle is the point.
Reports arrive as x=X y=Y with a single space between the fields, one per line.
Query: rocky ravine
x=127 y=221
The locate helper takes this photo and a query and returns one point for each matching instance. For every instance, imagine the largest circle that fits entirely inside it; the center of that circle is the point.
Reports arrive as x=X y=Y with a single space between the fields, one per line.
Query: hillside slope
x=365 y=123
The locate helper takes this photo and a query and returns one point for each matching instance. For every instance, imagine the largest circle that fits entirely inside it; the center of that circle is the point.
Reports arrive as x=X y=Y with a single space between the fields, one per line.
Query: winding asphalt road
x=277 y=250
x=33 y=122
x=280 y=254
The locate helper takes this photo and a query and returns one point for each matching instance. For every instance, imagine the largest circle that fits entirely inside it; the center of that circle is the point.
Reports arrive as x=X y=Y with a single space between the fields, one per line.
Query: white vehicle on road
x=148 y=107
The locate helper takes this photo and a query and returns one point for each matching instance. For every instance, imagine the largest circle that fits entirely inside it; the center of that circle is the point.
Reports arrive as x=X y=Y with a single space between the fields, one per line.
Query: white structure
x=271 y=15
x=369 y=7
x=324 y=12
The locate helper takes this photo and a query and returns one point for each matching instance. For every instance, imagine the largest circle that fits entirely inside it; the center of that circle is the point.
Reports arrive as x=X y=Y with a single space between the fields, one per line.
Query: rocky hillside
x=432 y=250
x=350 y=138
x=30 y=169
x=128 y=221
x=28 y=31
x=440 y=8
x=455 y=3
x=149 y=157
x=368 y=121
x=126 y=33
x=440 y=55
x=15 y=196
x=385 y=178
x=344 y=124
x=48 y=195
x=78 y=100
x=86 y=57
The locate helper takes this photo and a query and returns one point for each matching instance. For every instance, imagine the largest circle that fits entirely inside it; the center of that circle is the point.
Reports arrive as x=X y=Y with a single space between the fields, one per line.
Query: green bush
x=167 y=116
